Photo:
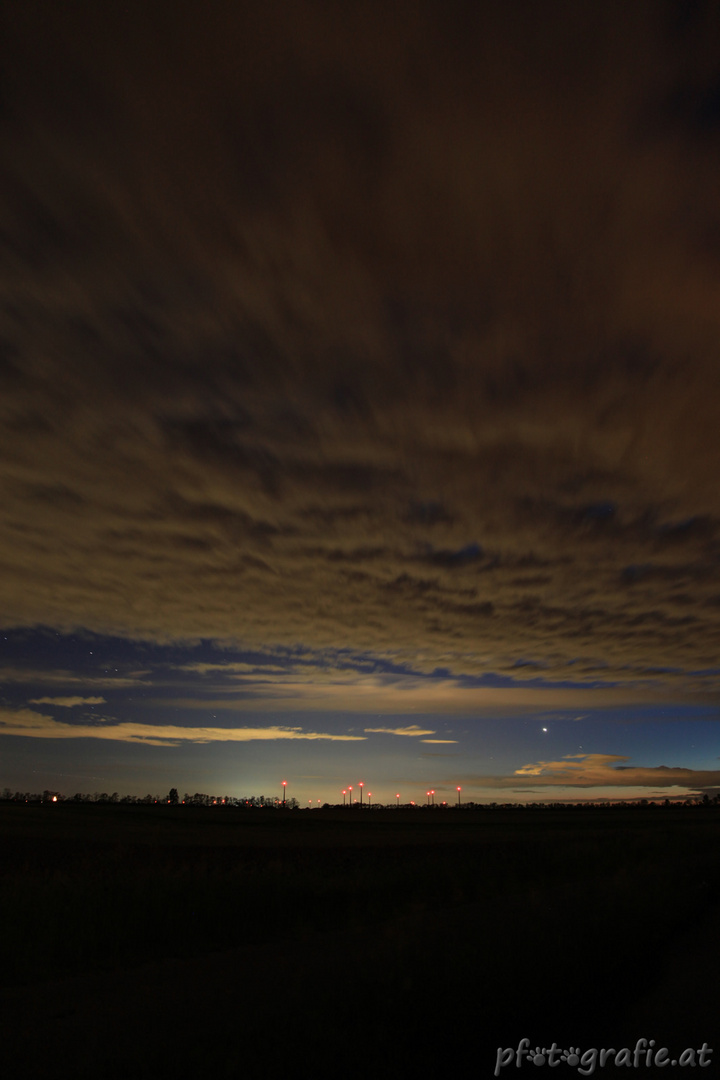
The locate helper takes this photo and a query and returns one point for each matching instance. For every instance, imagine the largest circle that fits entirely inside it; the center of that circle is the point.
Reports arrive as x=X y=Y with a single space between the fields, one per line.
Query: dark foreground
x=160 y=941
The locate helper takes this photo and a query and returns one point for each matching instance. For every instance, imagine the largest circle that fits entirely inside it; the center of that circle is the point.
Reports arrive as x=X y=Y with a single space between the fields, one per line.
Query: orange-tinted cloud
x=299 y=348
x=602 y=771
x=410 y=695
x=413 y=731
x=38 y=726
x=55 y=677
x=67 y=702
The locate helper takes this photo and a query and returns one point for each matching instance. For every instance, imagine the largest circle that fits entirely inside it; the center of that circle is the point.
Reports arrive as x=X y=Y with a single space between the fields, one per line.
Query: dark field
x=163 y=941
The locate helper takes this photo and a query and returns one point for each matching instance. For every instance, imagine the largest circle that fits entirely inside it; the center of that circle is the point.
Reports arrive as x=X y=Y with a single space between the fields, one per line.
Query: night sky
x=360 y=399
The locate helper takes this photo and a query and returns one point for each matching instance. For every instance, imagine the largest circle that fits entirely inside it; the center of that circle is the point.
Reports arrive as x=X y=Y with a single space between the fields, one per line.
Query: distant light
x=544 y=729
x=54 y=798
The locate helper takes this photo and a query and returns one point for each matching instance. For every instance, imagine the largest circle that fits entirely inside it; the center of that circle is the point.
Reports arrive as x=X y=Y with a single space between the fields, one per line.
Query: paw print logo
x=571 y=1056
x=537 y=1056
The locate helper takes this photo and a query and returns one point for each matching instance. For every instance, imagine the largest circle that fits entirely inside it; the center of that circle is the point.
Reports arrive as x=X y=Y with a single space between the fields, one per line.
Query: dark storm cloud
x=395 y=328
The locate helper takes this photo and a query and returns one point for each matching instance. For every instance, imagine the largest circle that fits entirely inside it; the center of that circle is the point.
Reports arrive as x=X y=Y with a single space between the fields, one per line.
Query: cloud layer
x=67 y=702
x=26 y=722
x=603 y=771
x=390 y=329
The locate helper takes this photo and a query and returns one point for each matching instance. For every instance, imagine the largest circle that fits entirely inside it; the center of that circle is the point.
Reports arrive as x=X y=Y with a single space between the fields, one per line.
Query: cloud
x=414 y=694
x=33 y=676
x=439 y=740
x=36 y=725
x=231 y=668
x=413 y=730
x=572 y=764
x=67 y=702
x=416 y=368
x=603 y=771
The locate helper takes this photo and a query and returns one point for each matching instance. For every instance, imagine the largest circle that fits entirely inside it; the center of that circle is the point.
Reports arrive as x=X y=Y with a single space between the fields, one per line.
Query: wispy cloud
x=67 y=702
x=439 y=740
x=413 y=730
x=37 y=725
x=56 y=677
x=602 y=770
x=230 y=668
x=410 y=694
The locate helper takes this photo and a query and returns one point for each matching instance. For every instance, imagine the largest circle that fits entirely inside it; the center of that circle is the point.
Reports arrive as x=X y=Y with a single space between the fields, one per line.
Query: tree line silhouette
x=252 y=802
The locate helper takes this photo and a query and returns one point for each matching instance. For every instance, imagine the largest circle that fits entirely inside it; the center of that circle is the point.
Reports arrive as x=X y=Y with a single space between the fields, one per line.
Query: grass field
x=172 y=940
